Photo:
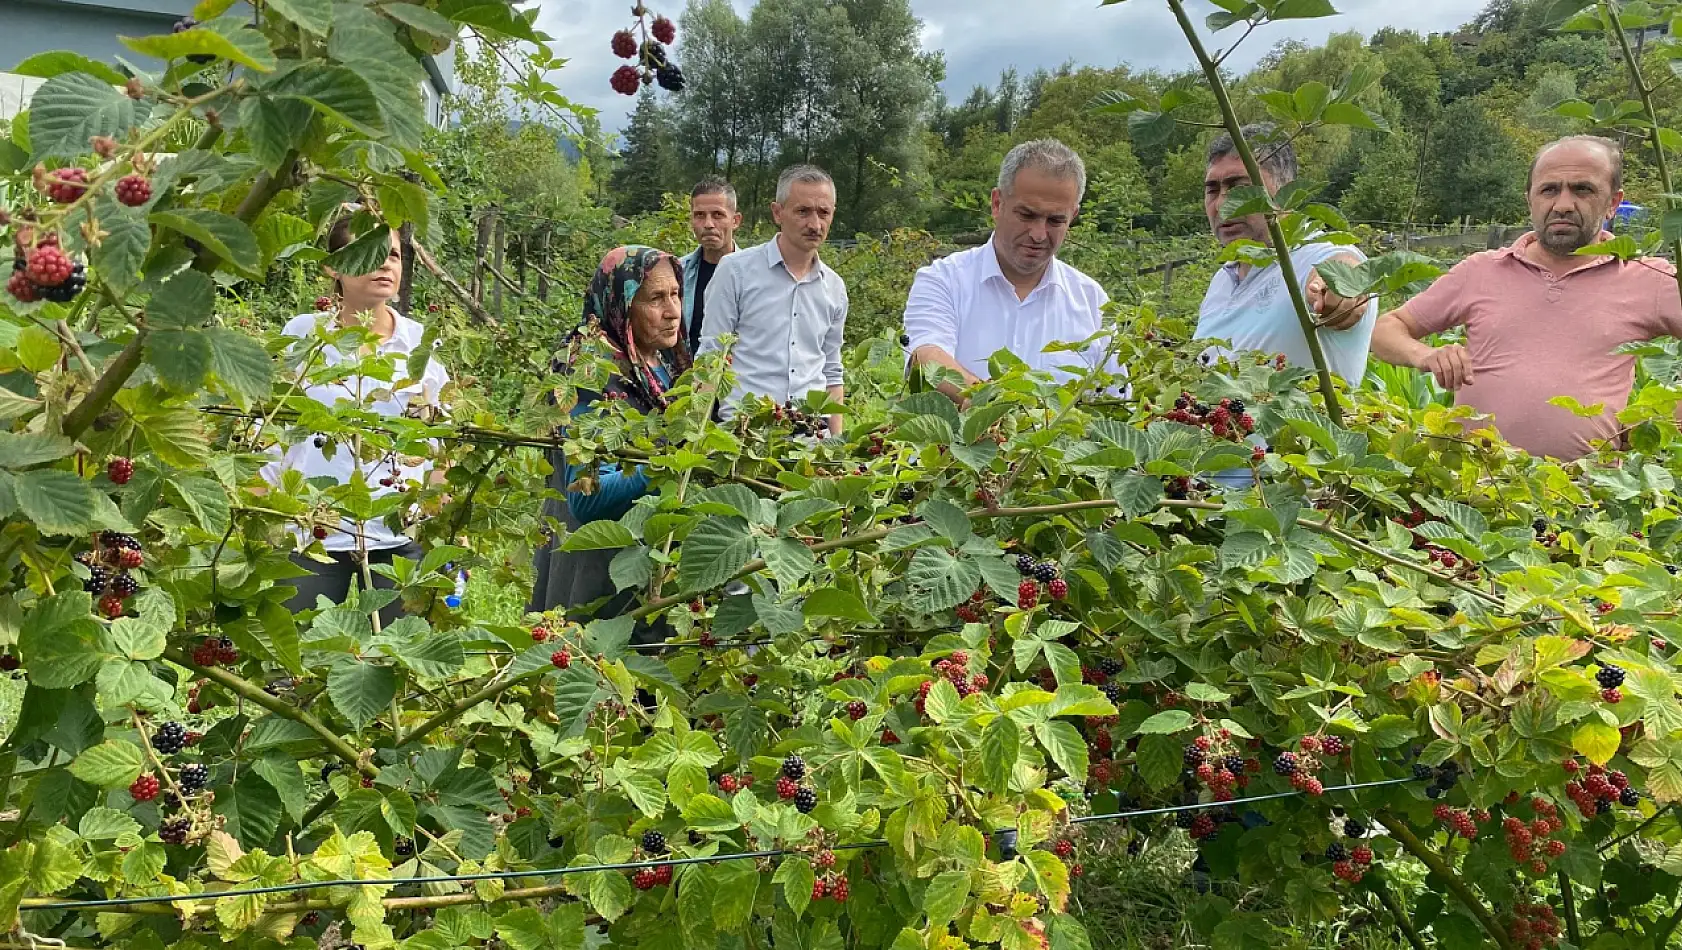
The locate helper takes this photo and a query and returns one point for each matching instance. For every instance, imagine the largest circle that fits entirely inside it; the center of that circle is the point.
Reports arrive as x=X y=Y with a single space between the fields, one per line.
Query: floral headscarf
x=607 y=304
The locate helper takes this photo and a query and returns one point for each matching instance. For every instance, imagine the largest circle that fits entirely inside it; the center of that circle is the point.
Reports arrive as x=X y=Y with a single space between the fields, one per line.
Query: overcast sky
x=982 y=37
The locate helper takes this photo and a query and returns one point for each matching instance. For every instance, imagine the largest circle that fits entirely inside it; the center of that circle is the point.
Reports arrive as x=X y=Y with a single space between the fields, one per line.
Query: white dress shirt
x=314 y=461
x=965 y=305
x=788 y=331
x=1255 y=313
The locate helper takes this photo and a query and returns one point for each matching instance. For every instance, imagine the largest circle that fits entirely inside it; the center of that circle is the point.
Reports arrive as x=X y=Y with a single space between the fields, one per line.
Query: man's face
x=714 y=222
x=807 y=214
x=1226 y=174
x=1571 y=197
x=1030 y=223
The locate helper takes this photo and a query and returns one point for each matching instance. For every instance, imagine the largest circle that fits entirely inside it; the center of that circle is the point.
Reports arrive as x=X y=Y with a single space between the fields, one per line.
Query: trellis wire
x=638 y=865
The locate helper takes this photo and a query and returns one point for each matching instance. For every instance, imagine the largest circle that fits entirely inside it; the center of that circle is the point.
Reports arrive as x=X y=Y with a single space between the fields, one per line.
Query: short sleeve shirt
x=1534 y=335
x=1255 y=313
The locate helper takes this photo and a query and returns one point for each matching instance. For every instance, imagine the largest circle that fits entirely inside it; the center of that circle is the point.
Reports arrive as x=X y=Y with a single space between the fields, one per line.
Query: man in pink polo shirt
x=1541 y=320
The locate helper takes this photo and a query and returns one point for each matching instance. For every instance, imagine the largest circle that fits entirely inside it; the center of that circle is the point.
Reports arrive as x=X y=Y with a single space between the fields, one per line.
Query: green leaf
x=21 y=450
x=232 y=41
x=1302 y=9
x=121 y=252
x=241 y=363
x=137 y=639
x=422 y=19
x=58 y=62
x=250 y=809
x=1167 y=722
x=788 y=560
x=834 y=602
x=313 y=15
x=1136 y=494
x=1065 y=746
x=714 y=552
x=363 y=255
x=948 y=519
x=599 y=536
x=939 y=581
x=644 y=790
x=70 y=109
x=946 y=895
x=288 y=781
x=56 y=501
x=360 y=689
x=1159 y=760
x=104 y=824
x=796 y=876
x=735 y=885
x=110 y=764
x=433 y=654
x=1596 y=741
x=177 y=436
x=38 y=349
x=181 y=358
x=223 y=235
x=1001 y=744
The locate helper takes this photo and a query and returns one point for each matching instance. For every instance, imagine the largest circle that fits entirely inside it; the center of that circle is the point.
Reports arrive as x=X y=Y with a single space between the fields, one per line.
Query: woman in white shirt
x=363 y=300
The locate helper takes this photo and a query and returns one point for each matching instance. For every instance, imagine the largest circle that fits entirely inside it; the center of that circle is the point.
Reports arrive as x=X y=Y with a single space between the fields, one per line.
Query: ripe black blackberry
x=98 y=577
x=1336 y=851
x=170 y=738
x=1285 y=764
x=1629 y=797
x=670 y=77
x=1448 y=775
x=907 y=493
x=175 y=830
x=653 y=842
x=1433 y=791
x=1045 y=571
x=1354 y=829
x=1110 y=666
x=1234 y=763
x=557 y=841
x=1135 y=846
x=67 y=291
x=116 y=539
x=1193 y=756
x=794 y=767
x=1184 y=819
x=1025 y=565
x=1236 y=408
x=124 y=585
x=403 y=847
x=1112 y=692
x=328 y=769
x=1603 y=806
x=1421 y=771
x=194 y=777
x=805 y=800
x=1609 y=677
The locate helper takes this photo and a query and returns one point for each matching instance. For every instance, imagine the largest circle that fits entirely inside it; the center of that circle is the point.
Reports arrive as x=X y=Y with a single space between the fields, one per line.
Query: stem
x=1635 y=831
x=1569 y=899
x=1381 y=887
x=1662 y=937
x=1609 y=16
x=116 y=374
x=491 y=690
x=246 y=690
x=1407 y=839
x=1287 y=270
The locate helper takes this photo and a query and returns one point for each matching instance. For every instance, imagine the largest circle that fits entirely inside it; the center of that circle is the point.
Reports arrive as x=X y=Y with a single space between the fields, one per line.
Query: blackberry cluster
x=194 y=777
x=1446 y=775
x=27 y=290
x=170 y=738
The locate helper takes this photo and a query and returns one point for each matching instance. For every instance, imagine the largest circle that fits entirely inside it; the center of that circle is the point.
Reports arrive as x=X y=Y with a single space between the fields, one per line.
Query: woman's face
x=657 y=310
x=376 y=286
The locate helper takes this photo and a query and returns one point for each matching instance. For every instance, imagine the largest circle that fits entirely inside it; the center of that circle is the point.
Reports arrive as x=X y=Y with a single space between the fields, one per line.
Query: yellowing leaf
x=1596 y=741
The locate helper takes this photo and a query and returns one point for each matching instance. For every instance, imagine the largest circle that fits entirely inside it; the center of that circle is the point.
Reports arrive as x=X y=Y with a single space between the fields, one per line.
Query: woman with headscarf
x=635 y=300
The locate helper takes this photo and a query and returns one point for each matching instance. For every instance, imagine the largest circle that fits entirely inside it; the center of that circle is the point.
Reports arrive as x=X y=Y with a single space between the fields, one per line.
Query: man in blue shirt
x=714 y=219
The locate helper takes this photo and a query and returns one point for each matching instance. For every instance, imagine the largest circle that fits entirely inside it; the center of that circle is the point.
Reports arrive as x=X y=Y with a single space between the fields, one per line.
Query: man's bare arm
x=1397 y=340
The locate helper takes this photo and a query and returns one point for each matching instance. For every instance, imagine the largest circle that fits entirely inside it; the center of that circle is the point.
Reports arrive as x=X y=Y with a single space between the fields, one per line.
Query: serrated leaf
x=57 y=502
x=714 y=551
x=360 y=689
x=735 y=886
x=1159 y=760
x=1596 y=741
x=1136 y=494
x=223 y=235
x=71 y=108
x=948 y=519
x=1167 y=722
x=834 y=602
x=111 y=764
x=946 y=895
x=244 y=367
x=1001 y=744
x=313 y=15
x=1065 y=746
x=939 y=580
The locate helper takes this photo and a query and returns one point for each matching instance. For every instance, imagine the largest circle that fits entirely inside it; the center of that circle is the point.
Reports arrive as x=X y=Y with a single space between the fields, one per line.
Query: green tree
x=1476 y=169
x=648 y=161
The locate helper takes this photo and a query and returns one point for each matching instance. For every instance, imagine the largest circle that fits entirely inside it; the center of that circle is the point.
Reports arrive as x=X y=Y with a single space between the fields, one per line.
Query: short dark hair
x=339 y=235
x=1275 y=155
x=714 y=185
x=1614 y=152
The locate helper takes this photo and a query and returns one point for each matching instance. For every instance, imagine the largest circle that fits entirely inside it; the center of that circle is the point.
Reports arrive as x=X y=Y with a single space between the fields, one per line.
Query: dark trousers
x=332 y=581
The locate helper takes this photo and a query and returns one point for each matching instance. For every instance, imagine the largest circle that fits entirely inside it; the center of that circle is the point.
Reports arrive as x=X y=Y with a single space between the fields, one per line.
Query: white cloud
x=983 y=37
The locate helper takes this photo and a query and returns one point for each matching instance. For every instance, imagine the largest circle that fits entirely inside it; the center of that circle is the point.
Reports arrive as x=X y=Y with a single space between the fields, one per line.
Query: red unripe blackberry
x=625 y=44
x=1571 y=766
x=145 y=788
x=134 y=190
x=111 y=606
x=324 y=303
x=626 y=80
x=129 y=559
x=1612 y=696
x=1058 y=589
x=824 y=859
x=1362 y=855
x=1333 y=745
x=119 y=470
x=1063 y=848
x=48 y=267
x=889 y=737
x=857 y=710
x=697 y=605
x=838 y=889
x=539 y=634
x=319 y=532
x=787 y=788
x=20 y=287
x=643 y=880
x=8 y=662
x=70 y=184
x=1617 y=779
x=664 y=30
x=978 y=681
x=727 y=783
x=820 y=889
x=663 y=874
x=1027 y=594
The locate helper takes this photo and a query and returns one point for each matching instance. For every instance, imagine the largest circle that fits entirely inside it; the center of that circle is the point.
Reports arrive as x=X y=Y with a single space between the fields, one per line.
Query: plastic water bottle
x=453 y=601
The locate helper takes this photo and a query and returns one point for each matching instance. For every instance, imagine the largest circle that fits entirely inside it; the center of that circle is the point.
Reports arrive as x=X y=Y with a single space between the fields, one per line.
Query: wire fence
x=300 y=886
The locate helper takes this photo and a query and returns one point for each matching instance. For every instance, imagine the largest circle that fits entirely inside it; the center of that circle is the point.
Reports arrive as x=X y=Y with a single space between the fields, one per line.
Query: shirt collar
x=990 y=269
x=774 y=256
x=1516 y=250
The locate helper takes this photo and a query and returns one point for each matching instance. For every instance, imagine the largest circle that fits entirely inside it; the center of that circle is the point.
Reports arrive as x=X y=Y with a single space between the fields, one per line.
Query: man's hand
x=1451 y=365
x=1335 y=311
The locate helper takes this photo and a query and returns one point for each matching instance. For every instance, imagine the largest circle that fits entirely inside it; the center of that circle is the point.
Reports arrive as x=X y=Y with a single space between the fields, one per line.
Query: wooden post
x=543 y=270
x=487 y=223
x=497 y=248
x=1167 y=280
x=406 y=286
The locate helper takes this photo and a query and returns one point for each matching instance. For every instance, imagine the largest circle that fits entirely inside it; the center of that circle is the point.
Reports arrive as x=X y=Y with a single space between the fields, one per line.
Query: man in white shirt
x=1251 y=307
x=1012 y=293
x=786 y=308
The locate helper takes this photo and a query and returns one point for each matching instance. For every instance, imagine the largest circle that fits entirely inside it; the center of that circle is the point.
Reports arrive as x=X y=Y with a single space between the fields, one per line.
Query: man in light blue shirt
x=714 y=219
x=785 y=307
x=1251 y=307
